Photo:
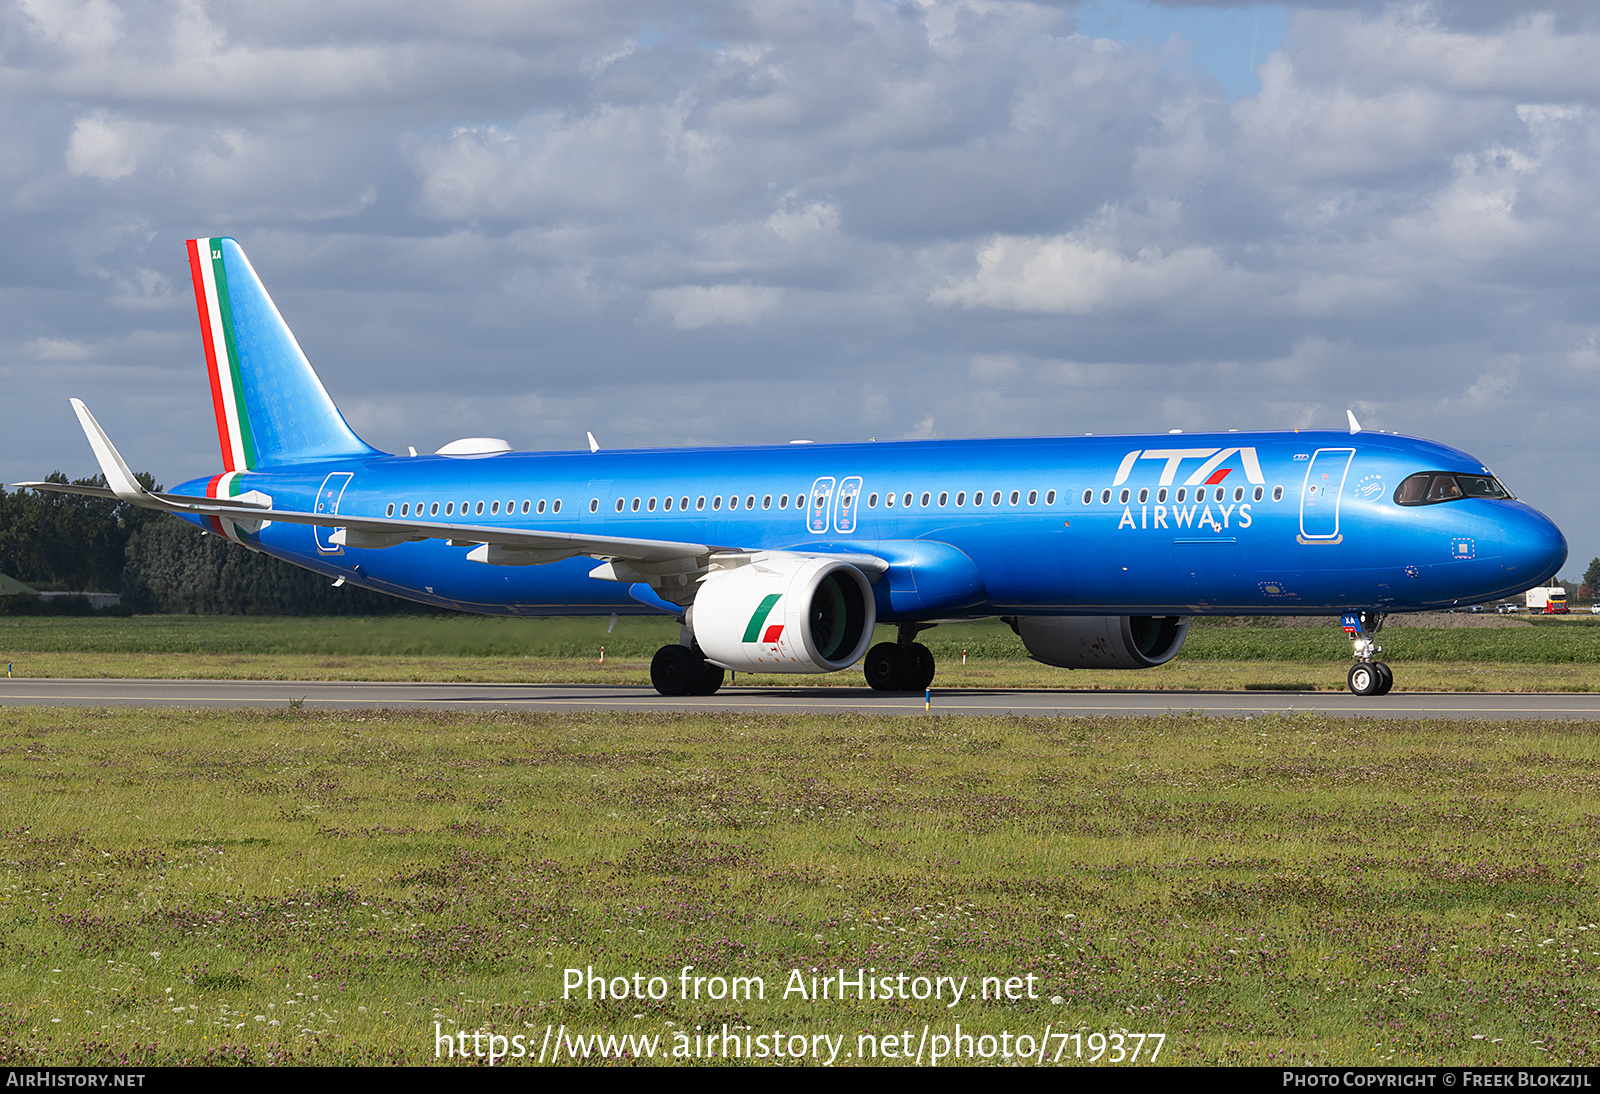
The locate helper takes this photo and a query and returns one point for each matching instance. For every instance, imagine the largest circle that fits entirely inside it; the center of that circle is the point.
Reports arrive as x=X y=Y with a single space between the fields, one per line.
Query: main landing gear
x=683 y=670
x=905 y=665
x=1367 y=676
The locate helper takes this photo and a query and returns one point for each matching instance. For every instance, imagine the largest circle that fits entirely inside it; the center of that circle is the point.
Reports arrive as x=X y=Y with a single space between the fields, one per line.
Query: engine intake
x=1102 y=641
x=785 y=614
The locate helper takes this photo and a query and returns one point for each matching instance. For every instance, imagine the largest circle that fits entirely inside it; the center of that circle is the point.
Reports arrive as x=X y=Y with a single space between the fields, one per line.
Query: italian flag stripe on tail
x=210 y=276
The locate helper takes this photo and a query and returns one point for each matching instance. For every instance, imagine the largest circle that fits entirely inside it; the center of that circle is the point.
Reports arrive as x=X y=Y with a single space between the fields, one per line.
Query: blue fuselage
x=1245 y=523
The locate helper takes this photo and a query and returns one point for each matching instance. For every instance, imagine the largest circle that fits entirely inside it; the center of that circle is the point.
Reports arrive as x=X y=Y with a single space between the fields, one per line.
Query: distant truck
x=1549 y=599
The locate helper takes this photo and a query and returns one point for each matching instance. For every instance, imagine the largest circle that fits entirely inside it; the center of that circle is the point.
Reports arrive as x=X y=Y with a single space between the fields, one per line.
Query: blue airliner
x=783 y=558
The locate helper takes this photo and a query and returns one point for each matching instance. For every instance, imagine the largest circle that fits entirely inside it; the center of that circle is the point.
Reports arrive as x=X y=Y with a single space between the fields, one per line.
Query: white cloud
x=1070 y=276
x=57 y=349
x=107 y=147
x=690 y=307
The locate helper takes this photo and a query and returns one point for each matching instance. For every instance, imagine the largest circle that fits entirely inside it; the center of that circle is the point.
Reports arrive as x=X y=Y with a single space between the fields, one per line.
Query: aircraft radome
x=782 y=558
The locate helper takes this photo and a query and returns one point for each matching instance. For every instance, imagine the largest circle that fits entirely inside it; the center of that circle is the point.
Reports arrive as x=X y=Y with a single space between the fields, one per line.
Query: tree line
x=158 y=563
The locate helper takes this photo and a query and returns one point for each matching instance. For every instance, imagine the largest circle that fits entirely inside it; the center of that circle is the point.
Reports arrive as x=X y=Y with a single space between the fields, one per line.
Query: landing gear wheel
x=885 y=667
x=1387 y=675
x=710 y=679
x=675 y=670
x=1365 y=679
x=920 y=671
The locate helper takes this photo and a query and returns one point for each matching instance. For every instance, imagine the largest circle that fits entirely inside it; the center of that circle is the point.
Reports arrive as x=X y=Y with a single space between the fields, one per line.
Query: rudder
x=271 y=408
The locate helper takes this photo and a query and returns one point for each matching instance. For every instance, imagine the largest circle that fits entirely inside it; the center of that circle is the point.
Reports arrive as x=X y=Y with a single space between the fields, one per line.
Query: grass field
x=254 y=887
x=1554 y=655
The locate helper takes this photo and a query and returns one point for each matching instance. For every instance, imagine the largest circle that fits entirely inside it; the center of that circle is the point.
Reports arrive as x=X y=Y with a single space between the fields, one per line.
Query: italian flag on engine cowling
x=222 y=354
x=752 y=629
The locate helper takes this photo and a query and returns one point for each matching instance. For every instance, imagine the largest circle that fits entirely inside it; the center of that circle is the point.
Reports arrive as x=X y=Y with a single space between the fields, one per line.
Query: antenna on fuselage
x=594 y=445
x=1355 y=426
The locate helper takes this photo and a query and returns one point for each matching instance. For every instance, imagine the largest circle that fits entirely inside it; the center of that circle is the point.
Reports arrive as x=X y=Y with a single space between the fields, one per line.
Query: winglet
x=118 y=477
x=1355 y=426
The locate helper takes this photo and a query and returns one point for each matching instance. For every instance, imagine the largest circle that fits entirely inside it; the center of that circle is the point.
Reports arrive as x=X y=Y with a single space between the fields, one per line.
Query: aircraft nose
x=1532 y=547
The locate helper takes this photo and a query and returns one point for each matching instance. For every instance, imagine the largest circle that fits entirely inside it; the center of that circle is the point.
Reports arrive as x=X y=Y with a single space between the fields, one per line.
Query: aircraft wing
x=642 y=559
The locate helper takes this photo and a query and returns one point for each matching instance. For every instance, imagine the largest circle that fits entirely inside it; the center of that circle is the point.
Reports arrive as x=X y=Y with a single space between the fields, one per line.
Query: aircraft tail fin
x=270 y=406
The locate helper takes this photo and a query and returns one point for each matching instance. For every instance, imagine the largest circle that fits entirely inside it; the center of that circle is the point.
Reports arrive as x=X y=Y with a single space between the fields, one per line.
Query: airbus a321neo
x=1096 y=550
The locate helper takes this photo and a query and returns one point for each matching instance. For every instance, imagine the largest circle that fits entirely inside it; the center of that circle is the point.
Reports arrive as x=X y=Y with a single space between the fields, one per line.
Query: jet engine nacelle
x=785 y=614
x=1102 y=641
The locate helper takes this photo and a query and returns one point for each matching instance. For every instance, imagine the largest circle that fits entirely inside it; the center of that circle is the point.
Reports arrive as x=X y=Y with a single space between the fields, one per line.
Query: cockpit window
x=1432 y=487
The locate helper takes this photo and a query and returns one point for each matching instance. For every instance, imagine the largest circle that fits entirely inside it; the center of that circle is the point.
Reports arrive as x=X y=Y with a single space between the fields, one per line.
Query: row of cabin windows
x=998 y=497
x=1182 y=495
x=649 y=504
x=432 y=509
x=906 y=501
x=909 y=499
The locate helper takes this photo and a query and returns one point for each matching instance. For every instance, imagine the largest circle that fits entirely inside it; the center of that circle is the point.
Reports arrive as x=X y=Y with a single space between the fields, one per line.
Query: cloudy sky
x=754 y=220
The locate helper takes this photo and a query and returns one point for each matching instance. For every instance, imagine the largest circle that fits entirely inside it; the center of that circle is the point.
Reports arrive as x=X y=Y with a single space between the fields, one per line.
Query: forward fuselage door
x=844 y=511
x=328 y=496
x=1320 y=494
x=819 y=505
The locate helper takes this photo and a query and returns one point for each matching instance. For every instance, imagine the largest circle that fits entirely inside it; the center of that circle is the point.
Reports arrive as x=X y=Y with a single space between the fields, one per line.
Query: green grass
x=1574 y=641
x=1553 y=655
x=293 y=886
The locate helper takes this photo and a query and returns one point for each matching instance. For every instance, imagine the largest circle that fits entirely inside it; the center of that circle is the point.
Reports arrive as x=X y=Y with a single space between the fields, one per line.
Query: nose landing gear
x=1367 y=676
